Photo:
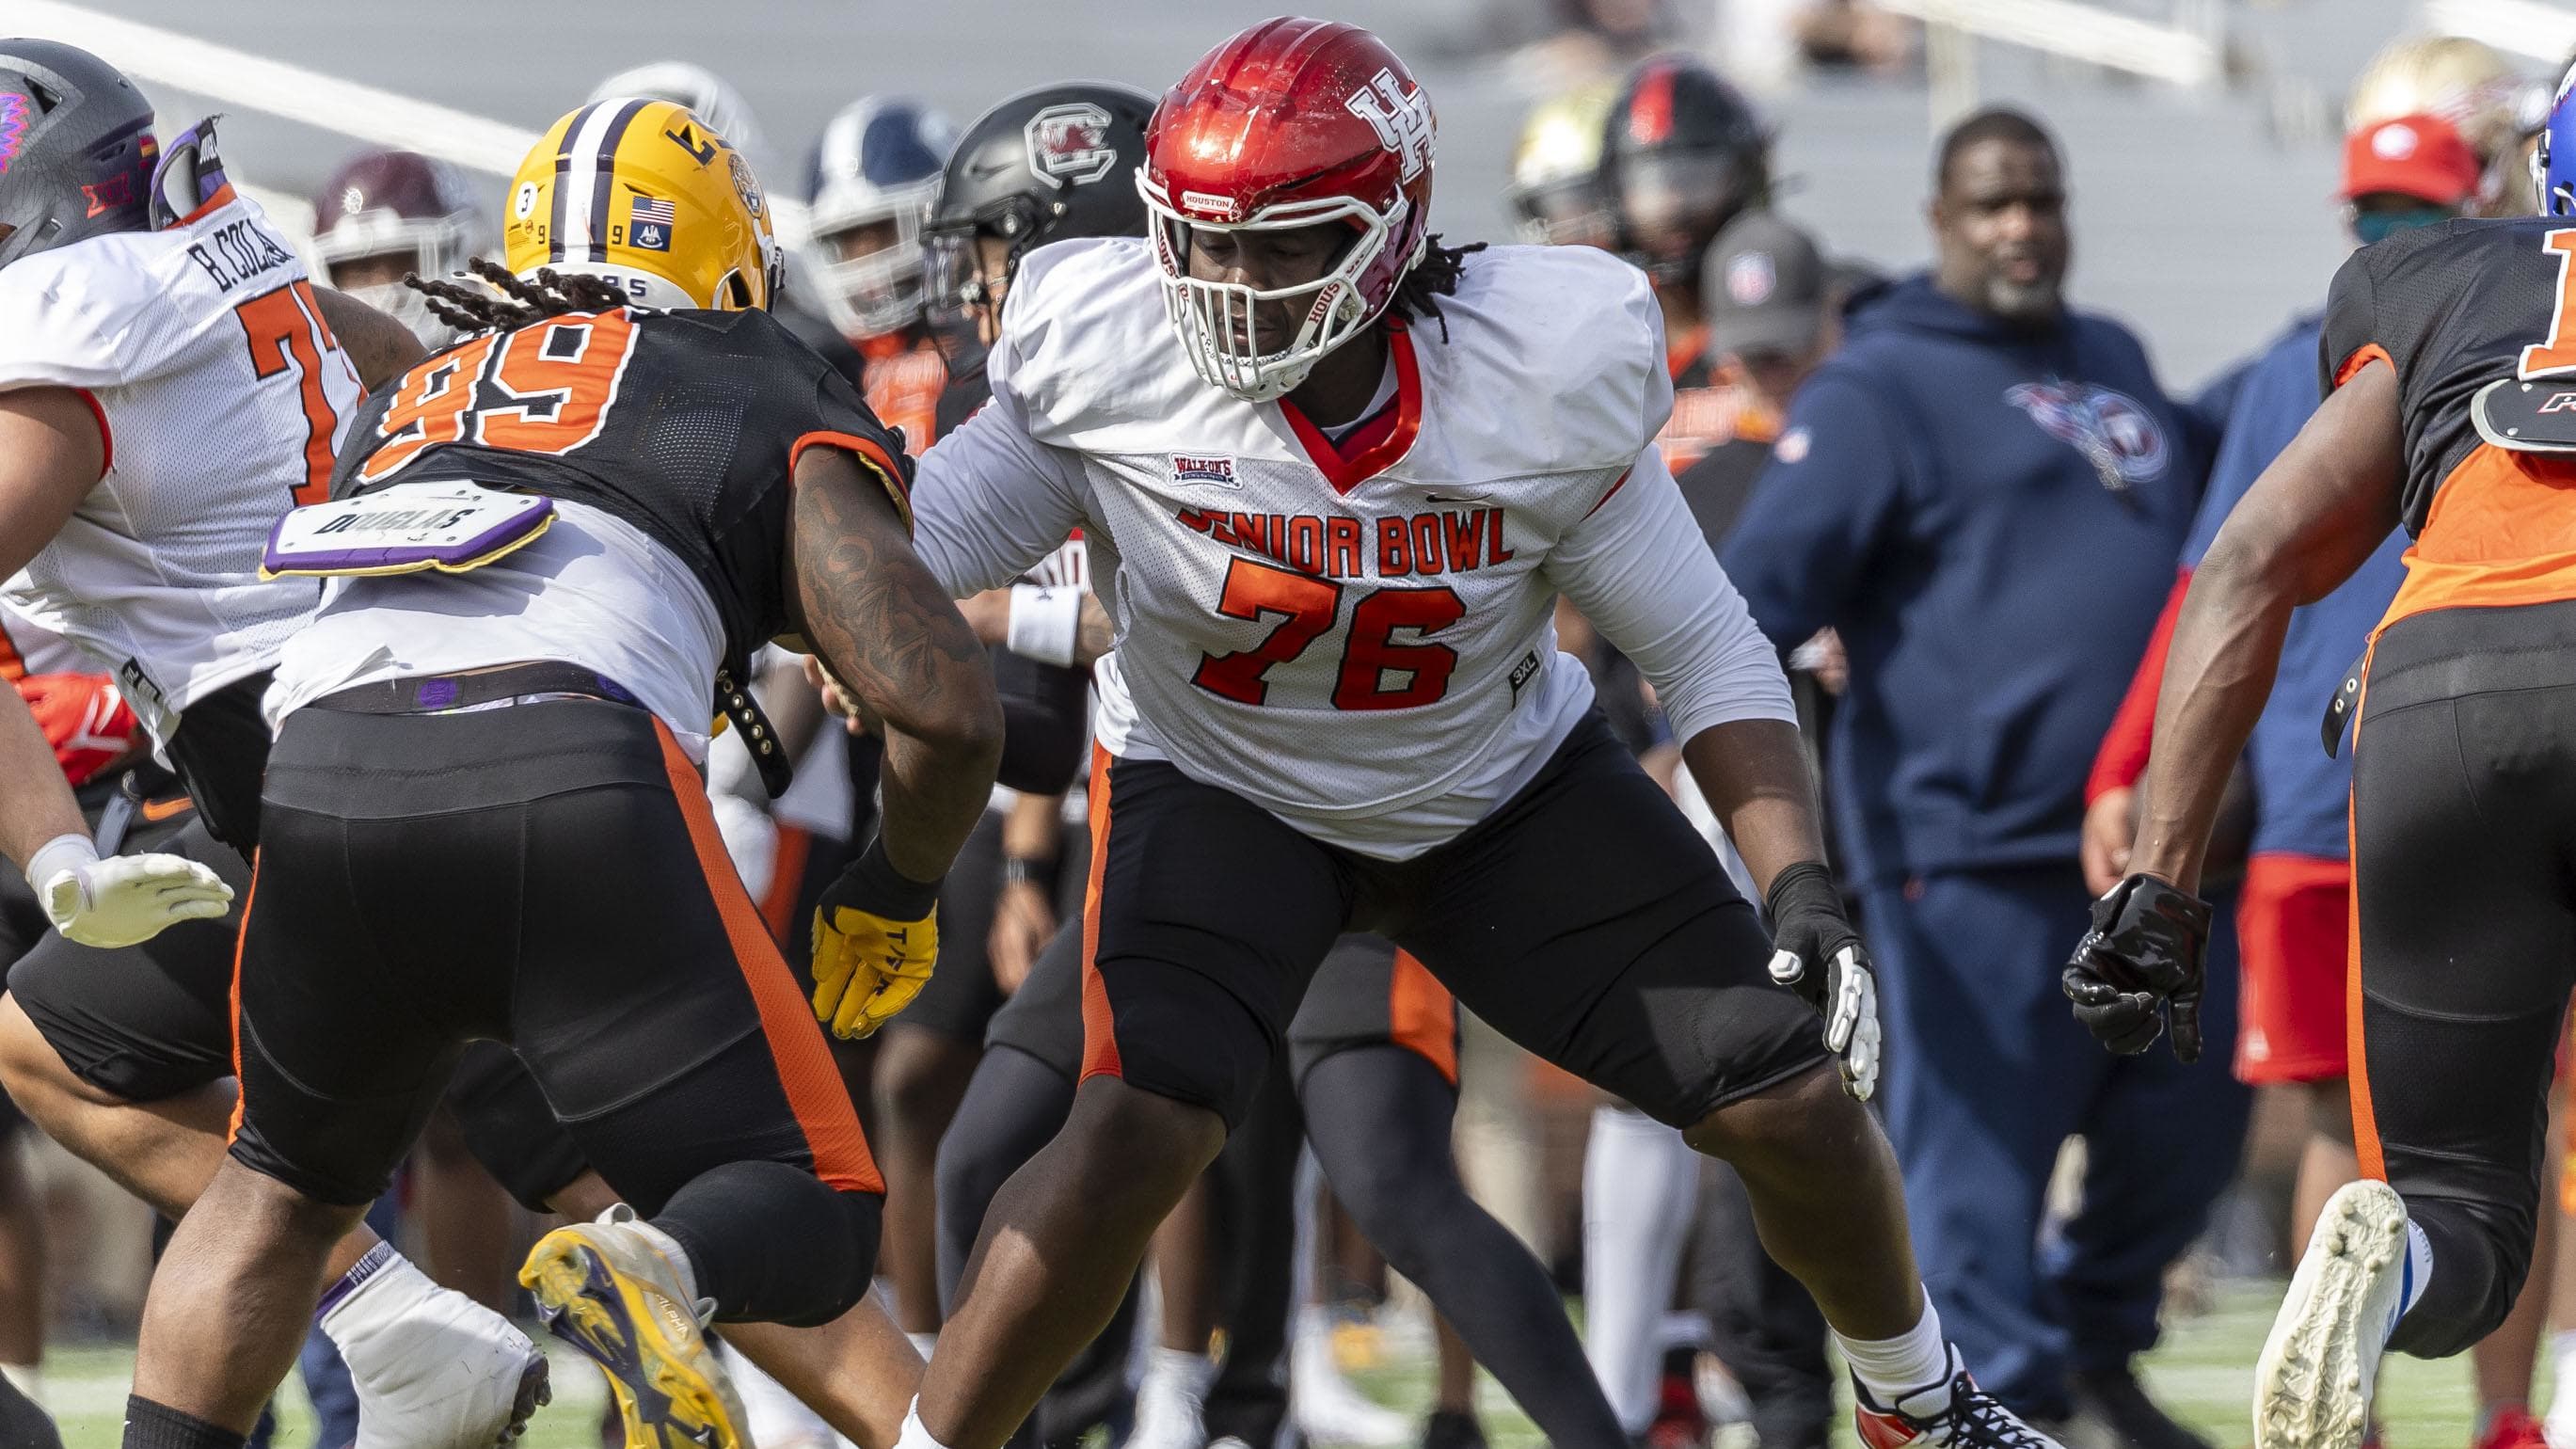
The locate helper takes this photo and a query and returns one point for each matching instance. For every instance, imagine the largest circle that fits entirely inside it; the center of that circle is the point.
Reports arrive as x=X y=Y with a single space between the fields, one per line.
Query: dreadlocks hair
x=1432 y=278
x=520 y=303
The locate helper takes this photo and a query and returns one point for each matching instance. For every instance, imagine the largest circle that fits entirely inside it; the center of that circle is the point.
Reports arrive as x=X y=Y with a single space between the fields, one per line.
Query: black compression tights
x=1378 y=1118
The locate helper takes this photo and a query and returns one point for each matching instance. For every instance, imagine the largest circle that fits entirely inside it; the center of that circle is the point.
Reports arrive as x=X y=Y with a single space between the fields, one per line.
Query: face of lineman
x=381 y=270
x=1269 y=261
x=2000 y=221
x=993 y=271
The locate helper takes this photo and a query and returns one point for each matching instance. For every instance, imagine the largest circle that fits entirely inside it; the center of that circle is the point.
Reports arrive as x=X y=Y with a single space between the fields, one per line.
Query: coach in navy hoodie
x=1986 y=494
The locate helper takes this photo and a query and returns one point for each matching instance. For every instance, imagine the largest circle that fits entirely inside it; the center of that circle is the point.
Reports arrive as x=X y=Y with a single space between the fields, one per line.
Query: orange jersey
x=2474 y=316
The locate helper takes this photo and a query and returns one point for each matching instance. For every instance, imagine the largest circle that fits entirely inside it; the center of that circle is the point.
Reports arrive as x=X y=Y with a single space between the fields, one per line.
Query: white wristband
x=62 y=853
x=1045 y=622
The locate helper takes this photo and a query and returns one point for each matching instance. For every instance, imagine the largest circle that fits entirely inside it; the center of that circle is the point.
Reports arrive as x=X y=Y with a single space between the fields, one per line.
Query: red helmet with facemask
x=1292 y=123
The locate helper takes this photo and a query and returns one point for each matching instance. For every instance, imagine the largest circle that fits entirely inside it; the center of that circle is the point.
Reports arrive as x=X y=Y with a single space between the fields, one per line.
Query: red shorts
x=2293 y=919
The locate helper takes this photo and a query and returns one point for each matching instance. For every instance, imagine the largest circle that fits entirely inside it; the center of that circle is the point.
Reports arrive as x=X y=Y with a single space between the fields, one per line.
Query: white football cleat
x=2560 y=1425
x=1328 y=1409
x=2313 y=1383
x=1949 y=1413
x=1170 y=1413
x=433 y=1368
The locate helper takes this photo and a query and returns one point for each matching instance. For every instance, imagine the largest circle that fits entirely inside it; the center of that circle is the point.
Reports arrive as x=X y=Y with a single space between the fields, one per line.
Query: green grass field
x=2205 y=1371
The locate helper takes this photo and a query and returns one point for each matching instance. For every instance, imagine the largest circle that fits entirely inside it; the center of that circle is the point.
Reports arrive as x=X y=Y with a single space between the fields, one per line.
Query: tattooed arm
x=887 y=632
x=382 y=348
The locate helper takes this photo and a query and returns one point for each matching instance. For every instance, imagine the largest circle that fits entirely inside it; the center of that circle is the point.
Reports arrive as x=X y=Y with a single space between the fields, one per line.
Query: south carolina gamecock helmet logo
x=1069 y=143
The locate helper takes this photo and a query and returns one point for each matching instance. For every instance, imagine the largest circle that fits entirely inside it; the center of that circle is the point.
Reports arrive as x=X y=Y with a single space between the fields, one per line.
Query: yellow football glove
x=876 y=938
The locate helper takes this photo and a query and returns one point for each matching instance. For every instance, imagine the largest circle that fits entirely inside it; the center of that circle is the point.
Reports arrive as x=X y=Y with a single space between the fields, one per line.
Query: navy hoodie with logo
x=1990 y=516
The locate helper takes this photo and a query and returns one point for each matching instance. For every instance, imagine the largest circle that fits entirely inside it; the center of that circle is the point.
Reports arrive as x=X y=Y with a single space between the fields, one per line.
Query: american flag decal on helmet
x=649 y=226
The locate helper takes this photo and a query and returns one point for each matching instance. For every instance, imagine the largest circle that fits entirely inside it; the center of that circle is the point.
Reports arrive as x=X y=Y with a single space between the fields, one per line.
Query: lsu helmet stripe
x=563 y=165
x=603 y=172
x=583 y=170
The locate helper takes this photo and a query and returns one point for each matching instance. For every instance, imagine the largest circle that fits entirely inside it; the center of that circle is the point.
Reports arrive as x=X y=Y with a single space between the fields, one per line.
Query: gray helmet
x=1046 y=165
x=76 y=148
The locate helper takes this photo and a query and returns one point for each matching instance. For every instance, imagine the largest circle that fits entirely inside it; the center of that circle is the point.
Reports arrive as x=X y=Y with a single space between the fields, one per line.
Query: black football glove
x=1817 y=954
x=2140 y=963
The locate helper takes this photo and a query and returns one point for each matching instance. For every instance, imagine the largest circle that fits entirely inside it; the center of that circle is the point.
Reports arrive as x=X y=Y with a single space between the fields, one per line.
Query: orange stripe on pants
x=1099 y=1025
x=2365 y=1121
x=1421 y=1015
x=805 y=1070
x=786 y=879
x=249 y=897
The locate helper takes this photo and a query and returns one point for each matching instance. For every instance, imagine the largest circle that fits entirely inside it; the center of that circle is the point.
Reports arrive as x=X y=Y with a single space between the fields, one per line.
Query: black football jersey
x=684 y=424
x=2453 y=308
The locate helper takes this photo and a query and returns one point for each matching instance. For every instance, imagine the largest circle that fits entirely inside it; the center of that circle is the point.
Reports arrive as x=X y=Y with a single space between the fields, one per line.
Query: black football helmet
x=76 y=148
x=1046 y=165
x=1682 y=153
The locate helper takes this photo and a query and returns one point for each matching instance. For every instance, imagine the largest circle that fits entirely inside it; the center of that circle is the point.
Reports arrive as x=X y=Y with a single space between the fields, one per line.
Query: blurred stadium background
x=2202 y=139
x=2201 y=134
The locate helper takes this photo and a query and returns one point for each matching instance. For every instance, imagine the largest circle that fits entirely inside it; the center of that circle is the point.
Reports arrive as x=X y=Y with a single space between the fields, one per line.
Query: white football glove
x=1850 y=1007
x=1818 y=955
x=123 y=899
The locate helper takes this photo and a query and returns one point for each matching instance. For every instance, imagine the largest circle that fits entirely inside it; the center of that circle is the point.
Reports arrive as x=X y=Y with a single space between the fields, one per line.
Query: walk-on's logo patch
x=14 y=112
x=2111 y=429
x=1204 y=469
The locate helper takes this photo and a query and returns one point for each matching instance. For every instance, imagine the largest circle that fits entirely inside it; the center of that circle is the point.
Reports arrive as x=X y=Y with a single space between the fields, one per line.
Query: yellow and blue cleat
x=605 y=1289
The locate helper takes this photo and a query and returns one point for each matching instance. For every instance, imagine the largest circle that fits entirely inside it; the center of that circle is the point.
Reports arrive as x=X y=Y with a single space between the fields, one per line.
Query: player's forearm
x=381 y=347
x=2218 y=674
x=2314 y=516
x=35 y=805
x=1030 y=830
x=934 y=792
x=51 y=451
x=887 y=632
x=795 y=708
x=1754 y=775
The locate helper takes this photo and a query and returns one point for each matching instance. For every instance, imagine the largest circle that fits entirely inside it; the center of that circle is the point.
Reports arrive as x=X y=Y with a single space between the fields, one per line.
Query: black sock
x=771 y=1243
x=157 y=1426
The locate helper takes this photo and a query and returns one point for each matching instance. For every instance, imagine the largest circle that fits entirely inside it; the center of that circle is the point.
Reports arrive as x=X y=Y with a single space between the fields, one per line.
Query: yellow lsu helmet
x=649 y=197
x=1554 y=186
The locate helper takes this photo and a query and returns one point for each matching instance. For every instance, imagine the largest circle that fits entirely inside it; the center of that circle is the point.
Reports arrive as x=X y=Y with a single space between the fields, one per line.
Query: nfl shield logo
x=1750 y=278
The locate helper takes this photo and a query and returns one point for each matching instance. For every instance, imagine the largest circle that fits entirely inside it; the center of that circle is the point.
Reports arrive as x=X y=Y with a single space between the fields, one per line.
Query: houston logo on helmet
x=1402 y=121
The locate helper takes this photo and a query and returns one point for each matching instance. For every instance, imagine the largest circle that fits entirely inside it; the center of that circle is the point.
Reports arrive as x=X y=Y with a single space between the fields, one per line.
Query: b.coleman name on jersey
x=1338 y=548
x=238 y=252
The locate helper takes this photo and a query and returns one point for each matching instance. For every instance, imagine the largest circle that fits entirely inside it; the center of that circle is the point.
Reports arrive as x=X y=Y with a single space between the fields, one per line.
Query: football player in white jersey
x=1333 y=477
x=170 y=381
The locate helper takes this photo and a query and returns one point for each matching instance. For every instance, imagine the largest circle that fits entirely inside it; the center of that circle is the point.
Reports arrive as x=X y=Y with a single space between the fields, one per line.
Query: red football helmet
x=1291 y=123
